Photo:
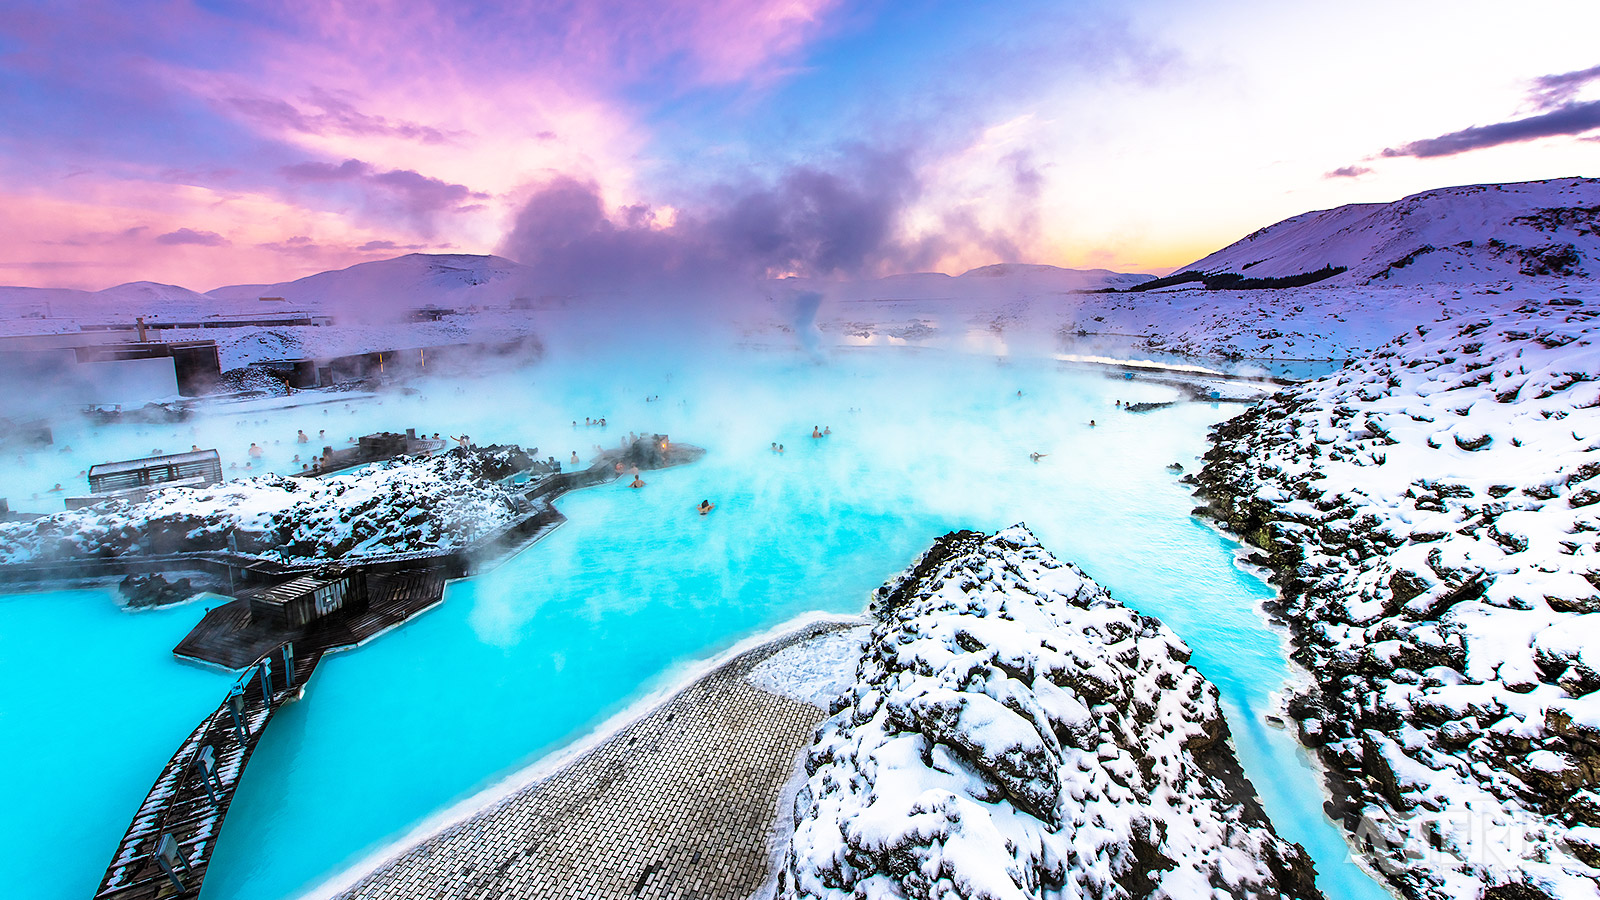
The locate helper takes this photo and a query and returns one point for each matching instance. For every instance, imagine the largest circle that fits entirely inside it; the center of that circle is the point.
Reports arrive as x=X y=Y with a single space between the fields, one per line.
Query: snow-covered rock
x=1014 y=732
x=1431 y=512
x=402 y=505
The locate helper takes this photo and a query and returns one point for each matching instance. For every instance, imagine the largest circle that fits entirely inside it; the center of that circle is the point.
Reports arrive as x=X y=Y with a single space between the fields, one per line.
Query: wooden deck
x=180 y=804
x=226 y=636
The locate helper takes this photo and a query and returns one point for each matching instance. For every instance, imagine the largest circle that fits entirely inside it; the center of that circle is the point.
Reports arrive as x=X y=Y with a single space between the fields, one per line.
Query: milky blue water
x=637 y=586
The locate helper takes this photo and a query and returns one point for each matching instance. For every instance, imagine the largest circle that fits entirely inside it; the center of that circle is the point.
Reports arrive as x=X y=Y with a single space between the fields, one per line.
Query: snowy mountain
x=1471 y=234
x=1430 y=511
x=415 y=280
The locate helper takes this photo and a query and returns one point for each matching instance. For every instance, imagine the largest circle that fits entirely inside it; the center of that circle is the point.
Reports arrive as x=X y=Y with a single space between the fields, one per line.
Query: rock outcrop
x=1429 y=513
x=1014 y=732
x=401 y=505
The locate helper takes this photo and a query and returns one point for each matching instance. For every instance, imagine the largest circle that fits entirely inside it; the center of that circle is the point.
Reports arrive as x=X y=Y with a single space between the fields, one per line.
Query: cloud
x=190 y=236
x=807 y=221
x=1567 y=119
x=332 y=113
x=1348 y=172
x=404 y=190
x=1558 y=114
x=1552 y=91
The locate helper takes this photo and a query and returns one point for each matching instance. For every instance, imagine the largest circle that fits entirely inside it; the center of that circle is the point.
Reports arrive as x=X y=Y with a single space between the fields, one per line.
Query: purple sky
x=213 y=143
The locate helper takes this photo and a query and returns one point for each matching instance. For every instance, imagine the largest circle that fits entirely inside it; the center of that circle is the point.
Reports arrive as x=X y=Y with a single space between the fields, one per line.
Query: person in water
x=637 y=482
x=574 y=457
x=301 y=437
x=706 y=506
x=774 y=446
x=1036 y=455
x=255 y=451
x=826 y=431
x=816 y=431
x=1091 y=423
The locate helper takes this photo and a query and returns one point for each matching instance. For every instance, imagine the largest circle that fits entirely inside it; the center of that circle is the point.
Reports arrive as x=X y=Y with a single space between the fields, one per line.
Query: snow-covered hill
x=386 y=288
x=1431 y=512
x=1471 y=234
x=1014 y=733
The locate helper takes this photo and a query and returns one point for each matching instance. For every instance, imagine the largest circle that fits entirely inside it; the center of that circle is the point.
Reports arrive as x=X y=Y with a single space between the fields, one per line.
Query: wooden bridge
x=168 y=846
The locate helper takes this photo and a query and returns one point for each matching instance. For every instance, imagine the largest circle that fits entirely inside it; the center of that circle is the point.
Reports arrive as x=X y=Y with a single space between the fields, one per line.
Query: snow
x=1014 y=732
x=814 y=672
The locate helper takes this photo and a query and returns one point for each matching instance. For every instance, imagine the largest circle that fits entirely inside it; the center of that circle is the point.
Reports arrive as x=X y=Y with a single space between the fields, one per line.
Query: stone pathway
x=679 y=805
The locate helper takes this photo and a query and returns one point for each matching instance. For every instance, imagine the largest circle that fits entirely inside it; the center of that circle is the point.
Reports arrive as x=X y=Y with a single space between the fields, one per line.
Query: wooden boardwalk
x=185 y=803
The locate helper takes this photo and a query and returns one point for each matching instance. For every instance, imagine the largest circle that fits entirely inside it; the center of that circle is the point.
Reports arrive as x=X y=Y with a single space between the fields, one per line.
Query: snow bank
x=1431 y=511
x=1014 y=732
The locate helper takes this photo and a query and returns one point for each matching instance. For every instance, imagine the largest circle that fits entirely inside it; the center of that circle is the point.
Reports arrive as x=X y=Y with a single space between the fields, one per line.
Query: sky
x=213 y=143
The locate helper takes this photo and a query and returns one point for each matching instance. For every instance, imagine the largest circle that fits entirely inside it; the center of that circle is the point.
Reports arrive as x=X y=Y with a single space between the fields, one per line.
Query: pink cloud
x=120 y=231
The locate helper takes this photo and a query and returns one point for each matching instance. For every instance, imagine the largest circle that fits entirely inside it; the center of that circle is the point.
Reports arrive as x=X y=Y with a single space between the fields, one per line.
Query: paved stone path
x=679 y=805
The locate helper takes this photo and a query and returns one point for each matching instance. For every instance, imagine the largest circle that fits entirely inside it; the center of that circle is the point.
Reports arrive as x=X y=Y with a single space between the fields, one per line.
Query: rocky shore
x=1014 y=732
x=1429 y=514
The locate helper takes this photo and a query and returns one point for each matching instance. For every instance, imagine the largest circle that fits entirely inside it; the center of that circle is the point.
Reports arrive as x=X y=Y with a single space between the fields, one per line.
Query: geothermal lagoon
x=629 y=596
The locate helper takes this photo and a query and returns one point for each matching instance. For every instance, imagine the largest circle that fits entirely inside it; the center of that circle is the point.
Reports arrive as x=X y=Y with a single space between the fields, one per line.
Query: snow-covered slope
x=1431 y=511
x=1469 y=234
x=1013 y=732
x=387 y=288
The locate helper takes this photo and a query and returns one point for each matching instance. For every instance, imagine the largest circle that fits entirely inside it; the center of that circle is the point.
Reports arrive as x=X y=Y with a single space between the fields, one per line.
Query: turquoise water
x=92 y=705
x=637 y=586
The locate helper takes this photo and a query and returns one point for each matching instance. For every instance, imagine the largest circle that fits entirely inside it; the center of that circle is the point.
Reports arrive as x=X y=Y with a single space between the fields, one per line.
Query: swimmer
x=619 y=467
x=255 y=451
x=706 y=506
x=1119 y=403
x=194 y=448
x=780 y=448
x=464 y=442
x=574 y=457
x=57 y=489
x=826 y=431
x=301 y=437
x=1036 y=455
x=816 y=432
x=774 y=446
x=637 y=482
x=1091 y=423
x=296 y=458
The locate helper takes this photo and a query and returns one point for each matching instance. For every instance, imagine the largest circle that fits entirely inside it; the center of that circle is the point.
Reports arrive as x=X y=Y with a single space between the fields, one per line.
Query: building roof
x=152 y=462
